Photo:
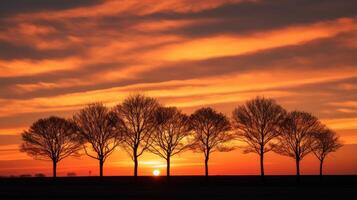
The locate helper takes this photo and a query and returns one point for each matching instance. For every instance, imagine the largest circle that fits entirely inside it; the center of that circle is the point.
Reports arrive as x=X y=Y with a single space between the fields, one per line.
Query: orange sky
x=56 y=57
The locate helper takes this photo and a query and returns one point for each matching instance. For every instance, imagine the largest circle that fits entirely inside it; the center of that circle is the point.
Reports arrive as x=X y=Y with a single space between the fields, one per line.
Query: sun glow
x=156 y=172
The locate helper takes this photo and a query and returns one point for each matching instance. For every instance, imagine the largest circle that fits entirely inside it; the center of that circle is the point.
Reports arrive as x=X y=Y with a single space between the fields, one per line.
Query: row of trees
x=141 y=124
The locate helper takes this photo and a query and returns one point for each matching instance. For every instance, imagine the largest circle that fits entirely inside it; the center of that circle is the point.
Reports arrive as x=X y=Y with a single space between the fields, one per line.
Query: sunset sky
x=57 y=56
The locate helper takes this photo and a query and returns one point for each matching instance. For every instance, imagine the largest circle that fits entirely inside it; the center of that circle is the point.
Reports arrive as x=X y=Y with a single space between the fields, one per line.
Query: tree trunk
x=135 y=166
x=168 y=166
x=262 y=163
x=206 y=166
x=54 y=168
x=321 y=165
x=101 y=162
x=298 y=169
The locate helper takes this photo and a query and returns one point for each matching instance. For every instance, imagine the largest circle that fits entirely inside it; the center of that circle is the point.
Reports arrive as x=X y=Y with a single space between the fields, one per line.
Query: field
x=180 y=187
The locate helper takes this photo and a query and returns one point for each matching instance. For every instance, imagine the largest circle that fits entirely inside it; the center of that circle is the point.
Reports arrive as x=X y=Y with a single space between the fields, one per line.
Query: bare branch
x=296 y=136
x=257 y=123
x=324 y=142
x=211 y=132
x=136 y=121
x=171 y=130
x=96 y=125
x=52 y=138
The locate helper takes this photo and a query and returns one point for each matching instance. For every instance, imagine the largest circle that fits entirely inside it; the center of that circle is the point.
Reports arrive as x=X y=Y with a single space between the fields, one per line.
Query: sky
x=57 y=56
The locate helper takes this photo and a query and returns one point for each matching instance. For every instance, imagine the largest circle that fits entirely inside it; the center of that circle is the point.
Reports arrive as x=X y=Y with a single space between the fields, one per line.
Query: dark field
x=180 y=187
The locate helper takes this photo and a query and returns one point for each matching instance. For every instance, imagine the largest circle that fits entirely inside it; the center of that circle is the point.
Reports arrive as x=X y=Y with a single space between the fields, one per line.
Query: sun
x=156 y=172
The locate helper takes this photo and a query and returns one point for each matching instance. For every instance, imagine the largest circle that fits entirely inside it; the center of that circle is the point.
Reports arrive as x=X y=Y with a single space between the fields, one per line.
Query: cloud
x=14 y=51
x=228 y=45
x=32 y=67
x=9 y=139
x=347 y=123
x=77 y=76
x=255 y=16
x=9 y=8
x=351 y=104
x=134 y=7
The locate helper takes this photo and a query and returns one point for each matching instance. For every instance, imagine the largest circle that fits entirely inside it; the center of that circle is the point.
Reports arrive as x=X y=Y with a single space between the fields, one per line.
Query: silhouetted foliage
x=52 y=138
x=296 y=136
x=40 y=175
x=137 y=122
x=172 y=127
x=96 y=124
x=257 y=123
x=25 y=176
x=325 y=142
x=71 y=174
x=211 y=132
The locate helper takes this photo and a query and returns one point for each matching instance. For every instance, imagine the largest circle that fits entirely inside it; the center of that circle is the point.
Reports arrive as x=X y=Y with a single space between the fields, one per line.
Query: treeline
x=141 y=124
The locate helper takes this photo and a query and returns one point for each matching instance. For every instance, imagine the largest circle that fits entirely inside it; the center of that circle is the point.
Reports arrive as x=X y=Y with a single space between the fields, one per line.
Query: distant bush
x=71 y=174
x=40 y=175
x=25 y=175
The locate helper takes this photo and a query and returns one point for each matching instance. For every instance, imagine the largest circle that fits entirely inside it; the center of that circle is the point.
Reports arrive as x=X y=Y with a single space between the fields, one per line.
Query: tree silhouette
x=172 y=127
x=211 y=132
x=137 y=122
x=96 y=124
x=257 y=124
x=296 y=136
x=52 y=138
x=325 y=142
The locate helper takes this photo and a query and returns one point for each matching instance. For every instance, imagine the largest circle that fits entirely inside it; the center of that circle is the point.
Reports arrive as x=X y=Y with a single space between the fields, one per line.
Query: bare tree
x=211 y=132
x=52 y=138
x=325 y=142
x=96 y=124
x=257 y=124
x=296 y=136
x=137 y=123
x=172 y=127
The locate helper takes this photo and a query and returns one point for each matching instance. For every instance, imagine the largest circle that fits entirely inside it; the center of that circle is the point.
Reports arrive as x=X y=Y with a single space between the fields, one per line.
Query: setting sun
x=156 y=172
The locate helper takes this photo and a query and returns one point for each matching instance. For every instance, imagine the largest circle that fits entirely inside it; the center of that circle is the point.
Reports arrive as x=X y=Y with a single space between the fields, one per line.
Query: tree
x=96 y=124
x=172 y=127
x=325 y=141
x=257 y=124
x=52 y=138
x=211 y=132
x=296 y=136
x=136 y=121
